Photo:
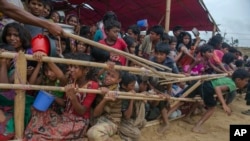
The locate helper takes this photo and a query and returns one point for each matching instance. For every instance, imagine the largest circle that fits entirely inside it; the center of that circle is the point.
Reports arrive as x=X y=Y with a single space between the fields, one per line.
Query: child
x=55 y=17
x=184 y=59
x=107 y=110
x=74 y=121
x=207 y=90
x=131 y=44
x=133 y=111
x=36 y=8
x=147 y=48
x=81 y=47
x=172 y=45
x=112 y=29
x=162 y=51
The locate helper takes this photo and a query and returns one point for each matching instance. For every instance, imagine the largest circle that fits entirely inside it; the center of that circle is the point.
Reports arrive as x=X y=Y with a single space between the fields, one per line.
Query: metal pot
x=67 y=28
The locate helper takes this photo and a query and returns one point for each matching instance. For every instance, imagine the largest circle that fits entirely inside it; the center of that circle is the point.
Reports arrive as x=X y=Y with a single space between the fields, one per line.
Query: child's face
x=225 y=50
x=113 y=33
x=131 y=34
x=142 y=38
x=186 y=39
x=81 y=47
x=55 y=17
x=132 y=48
x=154 y=36
x=173 y=45
x=143 y=86
x=46 y=10
x=36 y=7
x=241 y=83
x=160 y=57
x=50 y=74
x=73 y=21
x=130 y=86
x=208 y=54
x=12 y=38
x=112 y=77
x=77 y=72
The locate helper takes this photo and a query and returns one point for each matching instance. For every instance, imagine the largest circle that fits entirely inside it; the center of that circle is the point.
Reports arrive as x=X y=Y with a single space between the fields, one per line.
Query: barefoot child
x=133 y=119
x=108 y=110
x=207 y=90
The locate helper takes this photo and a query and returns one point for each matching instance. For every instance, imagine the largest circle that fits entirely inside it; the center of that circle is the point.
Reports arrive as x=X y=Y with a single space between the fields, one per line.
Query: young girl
x=184 y=59
x=81 y=47
x=74 y=121
x=55 y=17
x=107 y=110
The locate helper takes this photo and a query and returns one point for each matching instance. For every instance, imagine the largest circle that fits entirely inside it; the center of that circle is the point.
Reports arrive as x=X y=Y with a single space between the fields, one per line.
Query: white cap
x=143 y=32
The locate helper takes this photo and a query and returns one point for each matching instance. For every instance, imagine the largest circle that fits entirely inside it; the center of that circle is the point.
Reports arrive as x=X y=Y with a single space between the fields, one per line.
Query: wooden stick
x=19 y=101
x=197 y=84
x=200 y=77
x=110 y=49
x=143 y=71
x=158 y=121
x=121 y=95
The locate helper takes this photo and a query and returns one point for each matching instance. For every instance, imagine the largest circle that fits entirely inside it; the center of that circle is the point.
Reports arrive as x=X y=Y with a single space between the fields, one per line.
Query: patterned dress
x=49 y=125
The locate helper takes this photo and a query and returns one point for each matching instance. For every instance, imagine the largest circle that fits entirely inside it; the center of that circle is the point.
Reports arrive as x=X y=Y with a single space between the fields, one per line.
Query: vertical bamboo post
x=19 y=102
x=167 y=17
x=214 y=30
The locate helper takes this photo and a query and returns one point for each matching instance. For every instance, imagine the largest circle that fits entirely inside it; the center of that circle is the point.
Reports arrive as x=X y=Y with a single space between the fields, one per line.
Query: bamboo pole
x=110 y=49
x=120 y=95
x=19 y=101
x=167 y=17
x=143 y=71
x=200 y=77
x=185 y=94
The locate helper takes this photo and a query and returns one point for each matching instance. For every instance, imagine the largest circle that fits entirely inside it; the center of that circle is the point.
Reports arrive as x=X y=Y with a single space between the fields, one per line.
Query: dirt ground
x=217 y=126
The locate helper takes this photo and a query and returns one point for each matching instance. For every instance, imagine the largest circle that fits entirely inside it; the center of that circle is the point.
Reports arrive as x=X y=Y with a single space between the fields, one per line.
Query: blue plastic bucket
x=43 y=101
x=142 y=23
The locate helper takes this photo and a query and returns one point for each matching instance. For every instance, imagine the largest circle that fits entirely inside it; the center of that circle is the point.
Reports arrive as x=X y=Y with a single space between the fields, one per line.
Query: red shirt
x=120 y=45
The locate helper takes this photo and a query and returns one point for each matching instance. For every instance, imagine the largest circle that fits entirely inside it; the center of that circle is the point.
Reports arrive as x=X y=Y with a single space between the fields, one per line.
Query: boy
x=133 y=111
x=36 y=8
x=162 y=51
x=112 y=30
x=107 y=110
x=146 y=50
x=207 y=90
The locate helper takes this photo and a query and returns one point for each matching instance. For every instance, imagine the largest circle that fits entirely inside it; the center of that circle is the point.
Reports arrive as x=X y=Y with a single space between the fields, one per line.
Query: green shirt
x=224 y=81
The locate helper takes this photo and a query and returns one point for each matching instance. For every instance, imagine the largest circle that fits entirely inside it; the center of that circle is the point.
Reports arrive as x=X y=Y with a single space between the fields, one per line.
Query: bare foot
x=2 y=116
x=188 y=120
x=199 y=130
x=162 y=129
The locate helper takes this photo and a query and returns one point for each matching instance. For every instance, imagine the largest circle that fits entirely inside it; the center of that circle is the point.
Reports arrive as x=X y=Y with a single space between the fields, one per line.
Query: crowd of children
x=76 y=115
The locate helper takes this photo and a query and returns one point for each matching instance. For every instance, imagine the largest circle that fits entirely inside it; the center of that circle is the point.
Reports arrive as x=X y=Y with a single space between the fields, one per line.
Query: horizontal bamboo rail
x=200 y=77
x=141 y=71
x=120 y=95
x=110 y=49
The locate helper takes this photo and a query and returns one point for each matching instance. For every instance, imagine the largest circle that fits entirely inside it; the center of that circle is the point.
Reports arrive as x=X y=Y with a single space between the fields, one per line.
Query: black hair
x=240 y=73
x=23 y=34
x=83 y=57
x=159 y=30
x=162 y=47
x=228 y=58
x=42 y=1
x=49 y=3
x=135 y=29
x=71 y=16
x=99 y=55
x=60 y=17
x=176 y=28
x=205 y=48
x=172 y=39
x=129 y=41
x=181 y=37
x=127 y=78
x=215 y=41
x=225 y=45
x=109 y=24
x=84 y=31
x=239 y=63
x=109 y=15
x=165 y=37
